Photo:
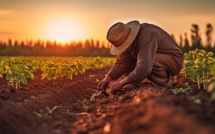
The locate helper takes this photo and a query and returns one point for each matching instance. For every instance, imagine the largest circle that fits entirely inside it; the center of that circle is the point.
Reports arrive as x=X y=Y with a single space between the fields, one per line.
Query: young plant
x=49 y=71
x=42 y=113
x=197 y=101
x=16 y=71
x=182 y=90
x=198 y=66
x=17 y=74
x=211 y=87
x=39 y=115
x=2 y=69
x=96 y=63
x=84 y=102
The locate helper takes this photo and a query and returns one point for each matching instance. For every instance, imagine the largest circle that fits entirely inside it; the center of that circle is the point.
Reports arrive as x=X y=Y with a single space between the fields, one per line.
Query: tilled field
x=150 y=109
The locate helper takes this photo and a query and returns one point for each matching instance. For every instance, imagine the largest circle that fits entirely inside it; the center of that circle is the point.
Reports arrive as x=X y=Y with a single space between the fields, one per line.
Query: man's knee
x=161 y=80
x=160 y=75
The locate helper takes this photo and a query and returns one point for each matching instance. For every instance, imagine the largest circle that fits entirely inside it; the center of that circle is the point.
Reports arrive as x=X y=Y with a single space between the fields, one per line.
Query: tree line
x=196 y=39
x=49 y=48
x=96 y=48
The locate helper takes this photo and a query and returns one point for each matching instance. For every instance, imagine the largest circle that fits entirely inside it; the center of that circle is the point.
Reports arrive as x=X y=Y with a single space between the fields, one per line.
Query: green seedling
x=197 y=101
x=178 y=90
x=84 y=103
x=42 y=113
x=187 y=84
x=39 y=115
x=182 y=90
x=49 y=110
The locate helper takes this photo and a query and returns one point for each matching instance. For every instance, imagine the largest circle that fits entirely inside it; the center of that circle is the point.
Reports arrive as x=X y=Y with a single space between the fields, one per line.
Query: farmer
x=143 y=51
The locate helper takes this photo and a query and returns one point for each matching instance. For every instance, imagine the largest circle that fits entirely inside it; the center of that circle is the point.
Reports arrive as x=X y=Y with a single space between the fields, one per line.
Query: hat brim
x=135 y=26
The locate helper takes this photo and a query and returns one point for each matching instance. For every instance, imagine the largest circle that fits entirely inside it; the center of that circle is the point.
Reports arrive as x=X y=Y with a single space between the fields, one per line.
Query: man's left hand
x=116 y=86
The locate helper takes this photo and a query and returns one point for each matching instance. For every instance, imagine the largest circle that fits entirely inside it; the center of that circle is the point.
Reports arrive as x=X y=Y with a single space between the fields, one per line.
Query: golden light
x=64 y=30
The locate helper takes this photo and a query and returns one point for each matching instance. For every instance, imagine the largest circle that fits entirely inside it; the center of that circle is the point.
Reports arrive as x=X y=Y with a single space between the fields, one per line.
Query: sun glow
x=64 y=30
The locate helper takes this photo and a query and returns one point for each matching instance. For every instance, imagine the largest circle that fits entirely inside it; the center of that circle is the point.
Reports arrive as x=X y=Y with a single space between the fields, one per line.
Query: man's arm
x=121 y=66
x=118 y=69
x=147 y=43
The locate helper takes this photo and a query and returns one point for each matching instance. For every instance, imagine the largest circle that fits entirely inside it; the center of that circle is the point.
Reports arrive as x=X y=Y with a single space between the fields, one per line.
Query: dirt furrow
x=25 y=111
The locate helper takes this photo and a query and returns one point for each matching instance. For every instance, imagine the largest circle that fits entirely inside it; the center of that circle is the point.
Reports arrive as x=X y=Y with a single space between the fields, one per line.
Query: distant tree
x=26 y=42
x=16 y=43
x=108 y=45
x=49 y=48
x=97 y=44
x=92 y=43
x=38 y=49
x=66 y=45
x=10 y=42
x=48 y=44
x=195 y=36
x=87 y=43
x=79 y=45
x=96 y=49
x=43 y=43
x=173 y=36
x=180 y=41
x=2 y=46
x=103 y=45
x=22 y=44
x=186 y=44
x=71 y=46
x=92 y=46
x=30 y=43
x=79 y=49
x=208 y=33
x=55 y=44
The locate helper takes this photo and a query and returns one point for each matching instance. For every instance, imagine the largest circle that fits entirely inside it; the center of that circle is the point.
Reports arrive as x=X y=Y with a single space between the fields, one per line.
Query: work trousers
x=164 y=66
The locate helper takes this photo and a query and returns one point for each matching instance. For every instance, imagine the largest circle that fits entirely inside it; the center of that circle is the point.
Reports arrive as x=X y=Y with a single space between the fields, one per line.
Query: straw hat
x=121 y=36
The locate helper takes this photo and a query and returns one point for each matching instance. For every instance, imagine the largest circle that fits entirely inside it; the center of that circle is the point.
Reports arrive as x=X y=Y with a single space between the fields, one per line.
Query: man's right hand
x=103 y=84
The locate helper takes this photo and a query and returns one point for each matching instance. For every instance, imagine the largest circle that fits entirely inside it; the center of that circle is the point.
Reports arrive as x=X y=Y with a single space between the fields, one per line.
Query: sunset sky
x=66 y=20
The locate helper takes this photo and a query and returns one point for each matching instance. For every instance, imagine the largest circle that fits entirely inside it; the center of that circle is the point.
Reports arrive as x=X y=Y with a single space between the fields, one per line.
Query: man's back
x=166 y=44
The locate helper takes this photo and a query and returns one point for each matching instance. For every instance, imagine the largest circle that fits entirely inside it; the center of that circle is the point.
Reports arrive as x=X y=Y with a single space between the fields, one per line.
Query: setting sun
x=64 y=30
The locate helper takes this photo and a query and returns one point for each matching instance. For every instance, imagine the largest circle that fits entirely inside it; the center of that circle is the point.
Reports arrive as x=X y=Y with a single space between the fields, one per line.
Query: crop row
x=199 y=66
x=18 y=69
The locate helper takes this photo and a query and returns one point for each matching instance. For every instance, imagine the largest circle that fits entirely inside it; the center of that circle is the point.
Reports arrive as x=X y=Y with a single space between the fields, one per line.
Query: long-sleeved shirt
x=150 y=40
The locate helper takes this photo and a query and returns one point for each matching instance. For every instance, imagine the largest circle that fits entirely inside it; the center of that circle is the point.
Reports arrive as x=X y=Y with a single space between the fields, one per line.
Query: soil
x=63 y=106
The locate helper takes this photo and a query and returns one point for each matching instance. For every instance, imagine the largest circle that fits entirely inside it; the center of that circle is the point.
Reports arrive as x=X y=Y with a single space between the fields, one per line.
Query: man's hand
x=103 y=84
x=116 y=86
